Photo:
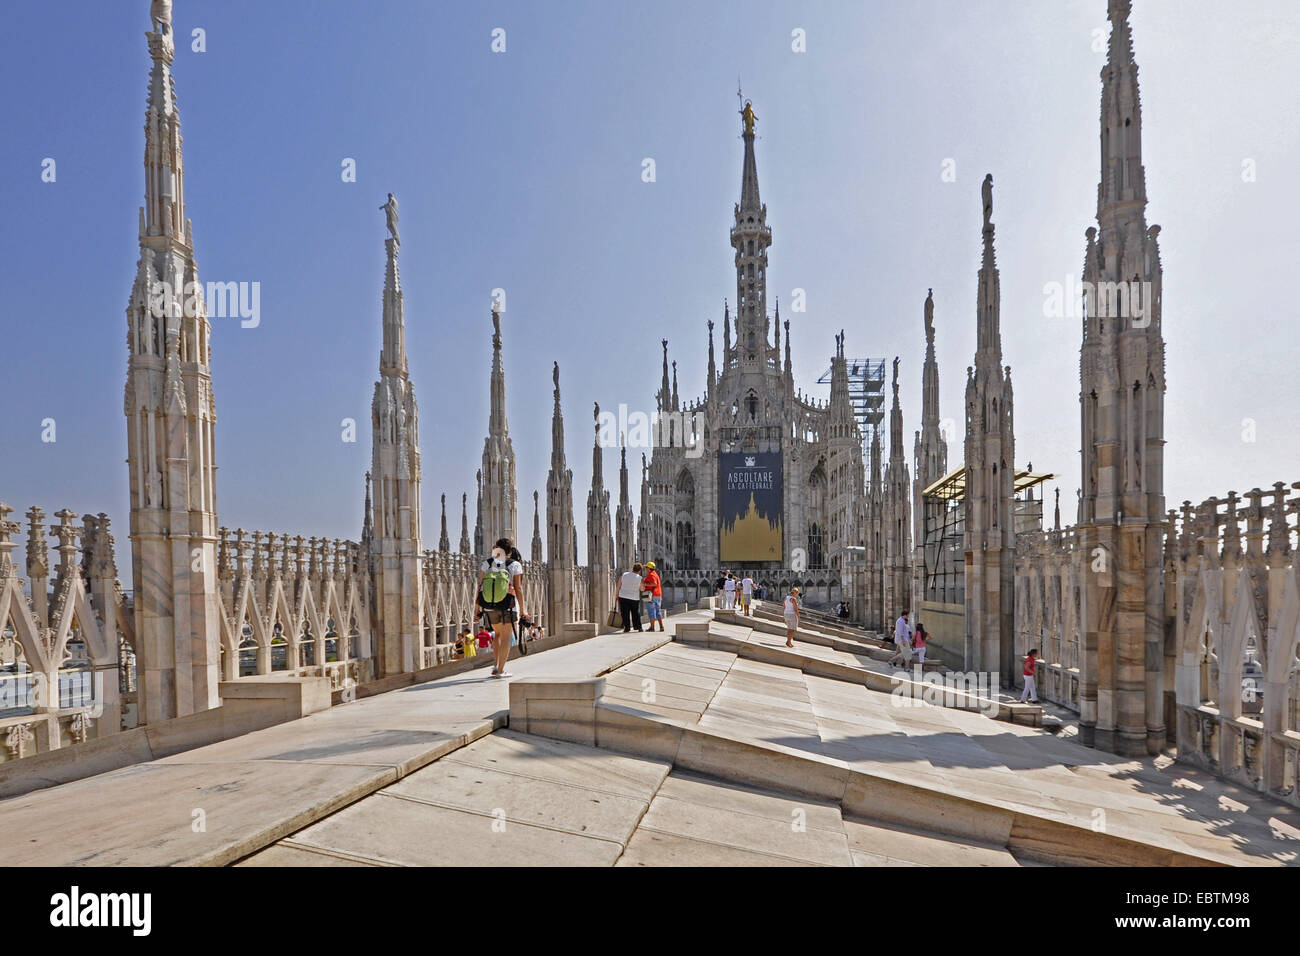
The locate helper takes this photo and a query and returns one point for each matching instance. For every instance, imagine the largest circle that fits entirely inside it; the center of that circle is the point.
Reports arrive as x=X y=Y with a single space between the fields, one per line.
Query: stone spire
x=990 y=446
x=896 y=524
x=930 y=461
x=465 y=546
x=368 y=522
x=1122 y=384
x=537 y=554
x=500 y=512
x=600 y=557
x=988 y=339
x=676 y=403
x=478 y=514
x=665 y=395
x=726 y=335
x=896 y=423
x=712 y=379
x=561 y=533
x=789 y=369
x=624 y=545
x=931 y=448
x=171 y=423
x=392 y=358
x=750 y=237
x=395 y=468
x=444 y=543
x=844 y=460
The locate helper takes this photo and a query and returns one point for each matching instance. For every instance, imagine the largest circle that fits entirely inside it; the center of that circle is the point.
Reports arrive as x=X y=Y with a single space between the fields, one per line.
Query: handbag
x=615 y=618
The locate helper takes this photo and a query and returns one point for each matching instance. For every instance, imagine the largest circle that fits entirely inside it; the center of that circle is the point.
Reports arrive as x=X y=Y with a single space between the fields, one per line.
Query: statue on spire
x=987 y=190
x=929 y=317
x=747 y=114
x=390 y=210
x=160 y=11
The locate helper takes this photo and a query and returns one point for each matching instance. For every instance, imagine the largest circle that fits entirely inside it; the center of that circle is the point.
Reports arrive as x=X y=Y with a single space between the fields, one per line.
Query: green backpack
x=496 y=585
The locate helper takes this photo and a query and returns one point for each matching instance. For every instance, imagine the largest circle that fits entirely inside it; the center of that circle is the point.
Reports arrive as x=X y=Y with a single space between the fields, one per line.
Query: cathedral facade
x=756 y=475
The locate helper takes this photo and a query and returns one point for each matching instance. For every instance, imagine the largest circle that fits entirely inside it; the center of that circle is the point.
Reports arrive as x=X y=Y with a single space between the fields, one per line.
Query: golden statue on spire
x=747 y=114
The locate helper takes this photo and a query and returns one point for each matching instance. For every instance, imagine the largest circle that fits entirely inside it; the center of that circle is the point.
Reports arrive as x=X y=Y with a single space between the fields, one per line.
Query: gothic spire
x=713 y=368
x=464 y=523
x=665 y=391
x=676 y=404
x=726 y=334
x=597 y=454
x=497 y=425
x=557 y=425
x=789 y=369
x=164 y=209
x=988 y=346
x=367 y=521
x=392 y=359
x=1122 y=190
x=537 y=531
x=896 y=423
x=478 y=508
x=750 y=237
x=749 y=201
x=444 y=543
x=623 y=498
x=931 y=450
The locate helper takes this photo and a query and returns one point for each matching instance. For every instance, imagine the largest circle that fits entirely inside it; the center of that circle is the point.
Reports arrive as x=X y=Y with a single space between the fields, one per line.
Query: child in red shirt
x=1031 y=689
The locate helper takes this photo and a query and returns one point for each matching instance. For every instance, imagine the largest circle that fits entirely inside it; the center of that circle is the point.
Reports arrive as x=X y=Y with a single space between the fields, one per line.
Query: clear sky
x=523 y=170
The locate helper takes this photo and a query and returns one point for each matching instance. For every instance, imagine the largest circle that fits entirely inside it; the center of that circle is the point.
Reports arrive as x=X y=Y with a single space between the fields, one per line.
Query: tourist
x=729 y=592
x=918 y=642
x=654 y=588
x=629 y=598
x=467 y=643
x=791 y=616
x=747 y=593
x=501 y=599
x=902 y=641
x=1031 y=687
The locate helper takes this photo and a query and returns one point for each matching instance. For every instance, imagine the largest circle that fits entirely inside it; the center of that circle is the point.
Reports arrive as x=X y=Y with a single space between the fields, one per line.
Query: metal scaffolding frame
x=866 y=390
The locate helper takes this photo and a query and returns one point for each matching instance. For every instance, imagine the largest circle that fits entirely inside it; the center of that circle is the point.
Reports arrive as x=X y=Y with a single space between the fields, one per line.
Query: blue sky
x=522 y=170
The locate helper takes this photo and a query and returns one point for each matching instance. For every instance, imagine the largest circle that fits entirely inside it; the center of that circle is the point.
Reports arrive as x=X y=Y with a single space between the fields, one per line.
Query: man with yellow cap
x=655 y=589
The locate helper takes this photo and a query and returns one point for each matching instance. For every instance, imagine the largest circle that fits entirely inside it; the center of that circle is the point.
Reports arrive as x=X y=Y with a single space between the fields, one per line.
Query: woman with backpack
x=500 y=595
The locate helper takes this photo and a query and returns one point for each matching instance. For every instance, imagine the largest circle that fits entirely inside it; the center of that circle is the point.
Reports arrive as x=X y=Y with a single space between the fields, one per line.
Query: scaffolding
x=943 y=506
x=866 y=390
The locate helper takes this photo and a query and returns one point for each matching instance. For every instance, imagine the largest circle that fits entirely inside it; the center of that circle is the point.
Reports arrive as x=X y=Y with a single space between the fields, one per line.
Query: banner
x=749 y=506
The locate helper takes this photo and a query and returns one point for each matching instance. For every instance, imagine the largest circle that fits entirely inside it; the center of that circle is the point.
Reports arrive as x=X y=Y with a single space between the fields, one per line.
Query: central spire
x=751 y=237
x=749 y=178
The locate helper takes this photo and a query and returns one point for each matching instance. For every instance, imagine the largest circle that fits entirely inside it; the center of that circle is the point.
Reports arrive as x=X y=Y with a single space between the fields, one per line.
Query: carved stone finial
x=987 y=193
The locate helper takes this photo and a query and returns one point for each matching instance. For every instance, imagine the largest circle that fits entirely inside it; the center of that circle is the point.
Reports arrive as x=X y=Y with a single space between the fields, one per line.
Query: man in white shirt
x=629 y=599
x=729 y=592
x=747 y=593
x=902 y=641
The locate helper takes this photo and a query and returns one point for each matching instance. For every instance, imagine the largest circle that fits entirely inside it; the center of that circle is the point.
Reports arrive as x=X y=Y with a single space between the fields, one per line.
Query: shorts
x=498 y=615
x=791 y=622
x=745 y=599
x=655 y=611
